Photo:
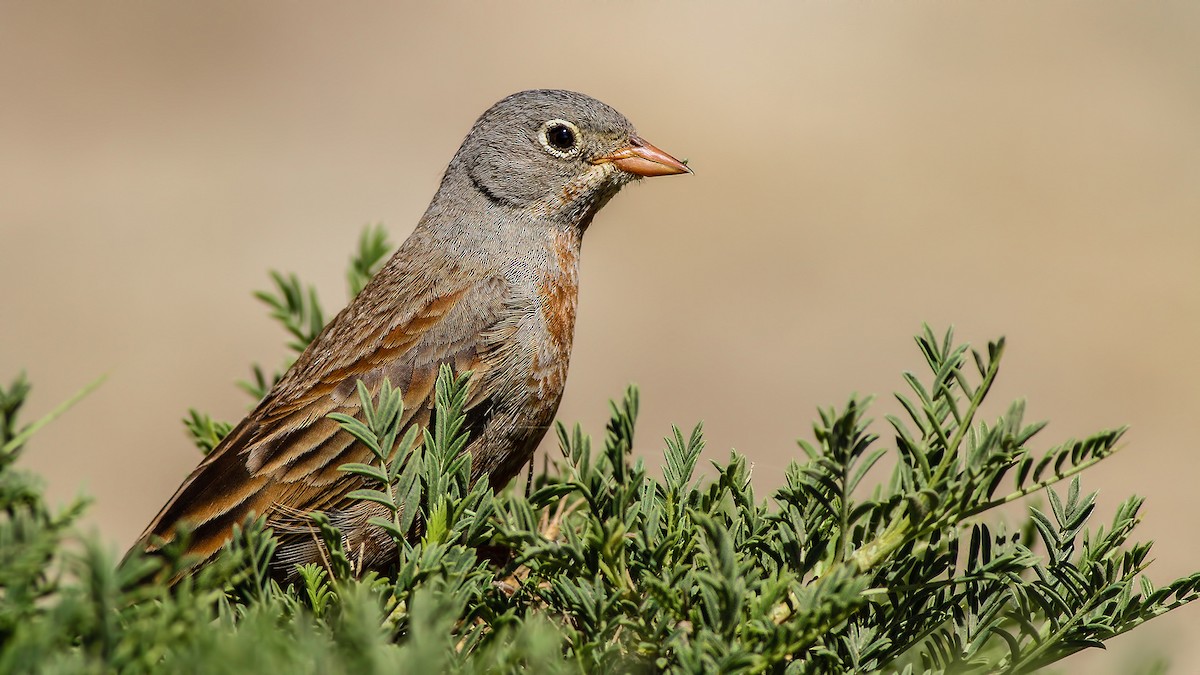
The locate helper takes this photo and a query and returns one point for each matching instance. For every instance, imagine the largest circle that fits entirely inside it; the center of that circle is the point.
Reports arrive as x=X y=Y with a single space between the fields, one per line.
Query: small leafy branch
x=868 y=559
x=398 y=465
x=297 y=308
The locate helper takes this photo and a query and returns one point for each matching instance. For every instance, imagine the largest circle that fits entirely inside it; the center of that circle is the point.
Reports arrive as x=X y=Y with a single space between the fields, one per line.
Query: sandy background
x=1018 y=168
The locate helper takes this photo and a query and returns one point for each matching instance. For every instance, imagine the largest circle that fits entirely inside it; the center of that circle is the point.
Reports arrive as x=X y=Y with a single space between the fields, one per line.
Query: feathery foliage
x=603 y=566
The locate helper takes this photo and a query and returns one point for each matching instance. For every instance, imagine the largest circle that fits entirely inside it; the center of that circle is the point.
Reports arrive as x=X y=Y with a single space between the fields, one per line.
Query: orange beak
x=642 y=159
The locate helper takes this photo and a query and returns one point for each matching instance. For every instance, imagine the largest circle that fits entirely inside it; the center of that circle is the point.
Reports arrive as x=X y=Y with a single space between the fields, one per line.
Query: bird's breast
x=558 y=296
x=532 y=362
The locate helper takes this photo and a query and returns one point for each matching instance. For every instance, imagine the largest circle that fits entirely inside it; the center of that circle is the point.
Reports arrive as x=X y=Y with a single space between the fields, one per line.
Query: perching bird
x=487 y=282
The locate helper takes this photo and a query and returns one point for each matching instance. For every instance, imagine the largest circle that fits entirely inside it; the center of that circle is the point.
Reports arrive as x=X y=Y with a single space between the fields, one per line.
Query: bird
x=487 y=282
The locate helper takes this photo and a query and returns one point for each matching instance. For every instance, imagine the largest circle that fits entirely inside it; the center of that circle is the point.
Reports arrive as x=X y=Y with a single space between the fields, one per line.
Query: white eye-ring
x=560 y=138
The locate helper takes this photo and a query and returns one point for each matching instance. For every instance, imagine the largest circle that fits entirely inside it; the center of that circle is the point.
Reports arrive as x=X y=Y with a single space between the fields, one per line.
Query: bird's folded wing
x=285 y=455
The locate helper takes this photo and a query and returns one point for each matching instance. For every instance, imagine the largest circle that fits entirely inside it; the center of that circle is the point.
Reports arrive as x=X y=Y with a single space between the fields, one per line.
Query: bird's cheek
x=573 y=187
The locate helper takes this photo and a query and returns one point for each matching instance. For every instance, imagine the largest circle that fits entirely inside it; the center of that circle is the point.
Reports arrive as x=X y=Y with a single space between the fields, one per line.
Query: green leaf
x=14 y=444
x=364 y=470
x=372 y=496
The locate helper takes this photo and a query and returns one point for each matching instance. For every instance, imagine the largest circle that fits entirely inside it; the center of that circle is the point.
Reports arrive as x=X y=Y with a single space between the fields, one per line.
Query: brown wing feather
x=284 y=456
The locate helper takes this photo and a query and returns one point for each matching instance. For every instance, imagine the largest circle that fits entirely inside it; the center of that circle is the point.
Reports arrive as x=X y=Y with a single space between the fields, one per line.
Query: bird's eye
x=560 y=138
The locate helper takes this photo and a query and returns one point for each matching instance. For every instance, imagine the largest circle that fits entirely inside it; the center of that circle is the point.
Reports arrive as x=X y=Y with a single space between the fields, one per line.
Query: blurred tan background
x=1027 y=169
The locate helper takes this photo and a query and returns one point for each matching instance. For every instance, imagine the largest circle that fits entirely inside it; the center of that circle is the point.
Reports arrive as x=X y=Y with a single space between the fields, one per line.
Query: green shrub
x=600 y=566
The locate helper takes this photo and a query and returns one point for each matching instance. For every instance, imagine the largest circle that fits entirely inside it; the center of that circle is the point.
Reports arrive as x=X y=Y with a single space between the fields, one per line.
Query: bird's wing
x=285 y=455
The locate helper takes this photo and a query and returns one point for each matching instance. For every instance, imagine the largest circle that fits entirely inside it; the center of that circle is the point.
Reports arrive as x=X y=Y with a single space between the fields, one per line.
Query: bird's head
x=558 y=155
